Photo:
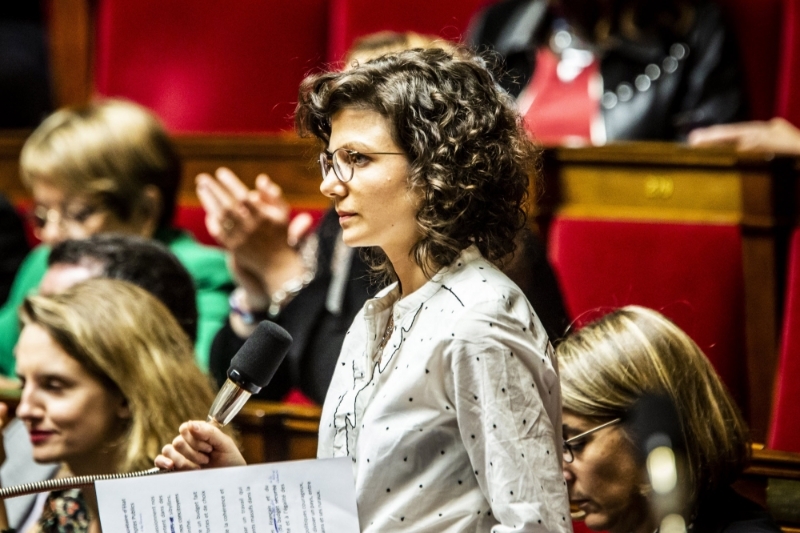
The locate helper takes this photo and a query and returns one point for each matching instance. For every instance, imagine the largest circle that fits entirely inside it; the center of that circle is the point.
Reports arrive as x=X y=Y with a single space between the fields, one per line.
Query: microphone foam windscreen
x=261 y=355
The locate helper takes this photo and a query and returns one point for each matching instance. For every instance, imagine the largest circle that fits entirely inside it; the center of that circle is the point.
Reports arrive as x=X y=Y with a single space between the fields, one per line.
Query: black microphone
x=251 y=370
x=656 y=431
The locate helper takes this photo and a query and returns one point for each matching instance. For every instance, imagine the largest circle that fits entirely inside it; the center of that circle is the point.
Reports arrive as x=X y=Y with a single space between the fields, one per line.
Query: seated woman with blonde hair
x=98 y=364
x=109 y=167
x=606 y=367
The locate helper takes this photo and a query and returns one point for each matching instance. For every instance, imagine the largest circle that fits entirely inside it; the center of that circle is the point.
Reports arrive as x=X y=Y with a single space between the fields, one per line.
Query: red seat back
x=692 y=273
x=204 y=65
x=351 y=19
x=788 y=104
x=784 y=431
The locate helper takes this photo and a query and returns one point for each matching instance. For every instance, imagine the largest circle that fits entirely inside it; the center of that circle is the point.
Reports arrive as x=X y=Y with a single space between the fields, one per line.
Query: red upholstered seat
x=579 y=526
x=692 y=273
x=192 y=218
x=784 y=431
x=788 y=103
x=351 y=19
x=204 y=65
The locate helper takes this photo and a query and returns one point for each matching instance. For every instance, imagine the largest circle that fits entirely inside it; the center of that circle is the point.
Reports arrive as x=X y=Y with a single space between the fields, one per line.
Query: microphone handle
x=48 y=485
x=229 y=401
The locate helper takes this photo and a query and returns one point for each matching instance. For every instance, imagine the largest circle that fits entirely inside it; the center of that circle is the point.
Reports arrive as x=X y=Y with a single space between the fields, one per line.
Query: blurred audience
x=109 y=167
x=597 y=71
x=606 y=367
x=314 y=286
x=777 y=135
x=98 y=363
x=13 y=246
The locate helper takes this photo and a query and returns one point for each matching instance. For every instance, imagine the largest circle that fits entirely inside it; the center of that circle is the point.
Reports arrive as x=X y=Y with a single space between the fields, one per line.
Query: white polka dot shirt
x=451 y=427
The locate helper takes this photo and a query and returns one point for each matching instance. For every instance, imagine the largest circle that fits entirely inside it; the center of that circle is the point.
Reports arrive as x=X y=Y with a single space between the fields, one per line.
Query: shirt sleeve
x=503 y=382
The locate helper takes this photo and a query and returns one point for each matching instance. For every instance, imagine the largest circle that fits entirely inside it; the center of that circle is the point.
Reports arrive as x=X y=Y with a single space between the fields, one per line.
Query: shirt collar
x=390 y=296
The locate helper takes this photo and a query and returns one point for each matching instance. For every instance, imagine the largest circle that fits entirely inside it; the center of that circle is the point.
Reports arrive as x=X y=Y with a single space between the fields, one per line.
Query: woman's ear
x=148 y=210
x=123 y=409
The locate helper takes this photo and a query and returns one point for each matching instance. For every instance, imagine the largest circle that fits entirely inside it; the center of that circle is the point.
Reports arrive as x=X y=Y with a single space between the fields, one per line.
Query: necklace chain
x=387 y=334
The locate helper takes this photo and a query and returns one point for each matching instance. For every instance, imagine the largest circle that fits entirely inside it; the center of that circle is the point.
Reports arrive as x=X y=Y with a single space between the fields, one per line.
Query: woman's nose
x=52 y=232
x=28 y=407
x=331 y=186
x=566 y=469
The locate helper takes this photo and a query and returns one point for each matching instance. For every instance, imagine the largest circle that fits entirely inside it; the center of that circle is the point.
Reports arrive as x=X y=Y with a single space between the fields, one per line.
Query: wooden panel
x=289 y=160
x=71 y=39
x=619 y=192
x=10 y=146
x=278 y=432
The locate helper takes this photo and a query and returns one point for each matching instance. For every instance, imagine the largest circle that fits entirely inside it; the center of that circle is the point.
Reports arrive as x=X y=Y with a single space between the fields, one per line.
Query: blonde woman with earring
x=98 y=364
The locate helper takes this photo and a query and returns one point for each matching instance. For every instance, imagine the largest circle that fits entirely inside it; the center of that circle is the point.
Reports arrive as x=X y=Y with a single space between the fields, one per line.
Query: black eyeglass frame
x=568 y=454
x=327 y=161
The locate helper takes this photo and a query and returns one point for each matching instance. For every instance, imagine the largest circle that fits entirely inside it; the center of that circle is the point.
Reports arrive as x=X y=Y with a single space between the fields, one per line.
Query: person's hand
x=299 y=228
x=252 y=284
x=251 y=224
x=776 y=135
x=254 y=226
x=199 y=445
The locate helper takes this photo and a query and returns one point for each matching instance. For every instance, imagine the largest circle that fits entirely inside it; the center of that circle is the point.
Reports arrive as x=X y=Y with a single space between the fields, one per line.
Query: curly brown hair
x=468 y=152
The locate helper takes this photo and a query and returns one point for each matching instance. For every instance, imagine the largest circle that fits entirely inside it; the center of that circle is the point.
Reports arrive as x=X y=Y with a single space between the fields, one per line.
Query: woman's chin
x=596 y=521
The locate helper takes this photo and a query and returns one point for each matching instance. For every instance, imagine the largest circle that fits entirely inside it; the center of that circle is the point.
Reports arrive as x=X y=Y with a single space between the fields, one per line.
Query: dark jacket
x=726 y=511
x=317 y=333
x=704 y=88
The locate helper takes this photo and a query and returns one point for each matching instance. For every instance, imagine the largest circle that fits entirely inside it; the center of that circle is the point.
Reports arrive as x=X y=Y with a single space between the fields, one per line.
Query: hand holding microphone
x=202 y=444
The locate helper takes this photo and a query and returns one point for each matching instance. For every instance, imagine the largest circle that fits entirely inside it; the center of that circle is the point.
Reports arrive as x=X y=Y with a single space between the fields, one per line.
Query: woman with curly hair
x=446 y=396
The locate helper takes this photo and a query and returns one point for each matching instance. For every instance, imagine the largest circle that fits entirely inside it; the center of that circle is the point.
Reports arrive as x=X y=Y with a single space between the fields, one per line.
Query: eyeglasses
x=40 y=216
x=344 y=162
x=572 y=442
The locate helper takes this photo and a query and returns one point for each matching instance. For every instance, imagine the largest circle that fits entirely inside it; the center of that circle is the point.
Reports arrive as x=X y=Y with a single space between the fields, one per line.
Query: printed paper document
x=315 y=496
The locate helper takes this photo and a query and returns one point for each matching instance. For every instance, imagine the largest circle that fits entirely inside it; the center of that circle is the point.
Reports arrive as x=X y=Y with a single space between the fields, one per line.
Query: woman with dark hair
x=445 y=396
